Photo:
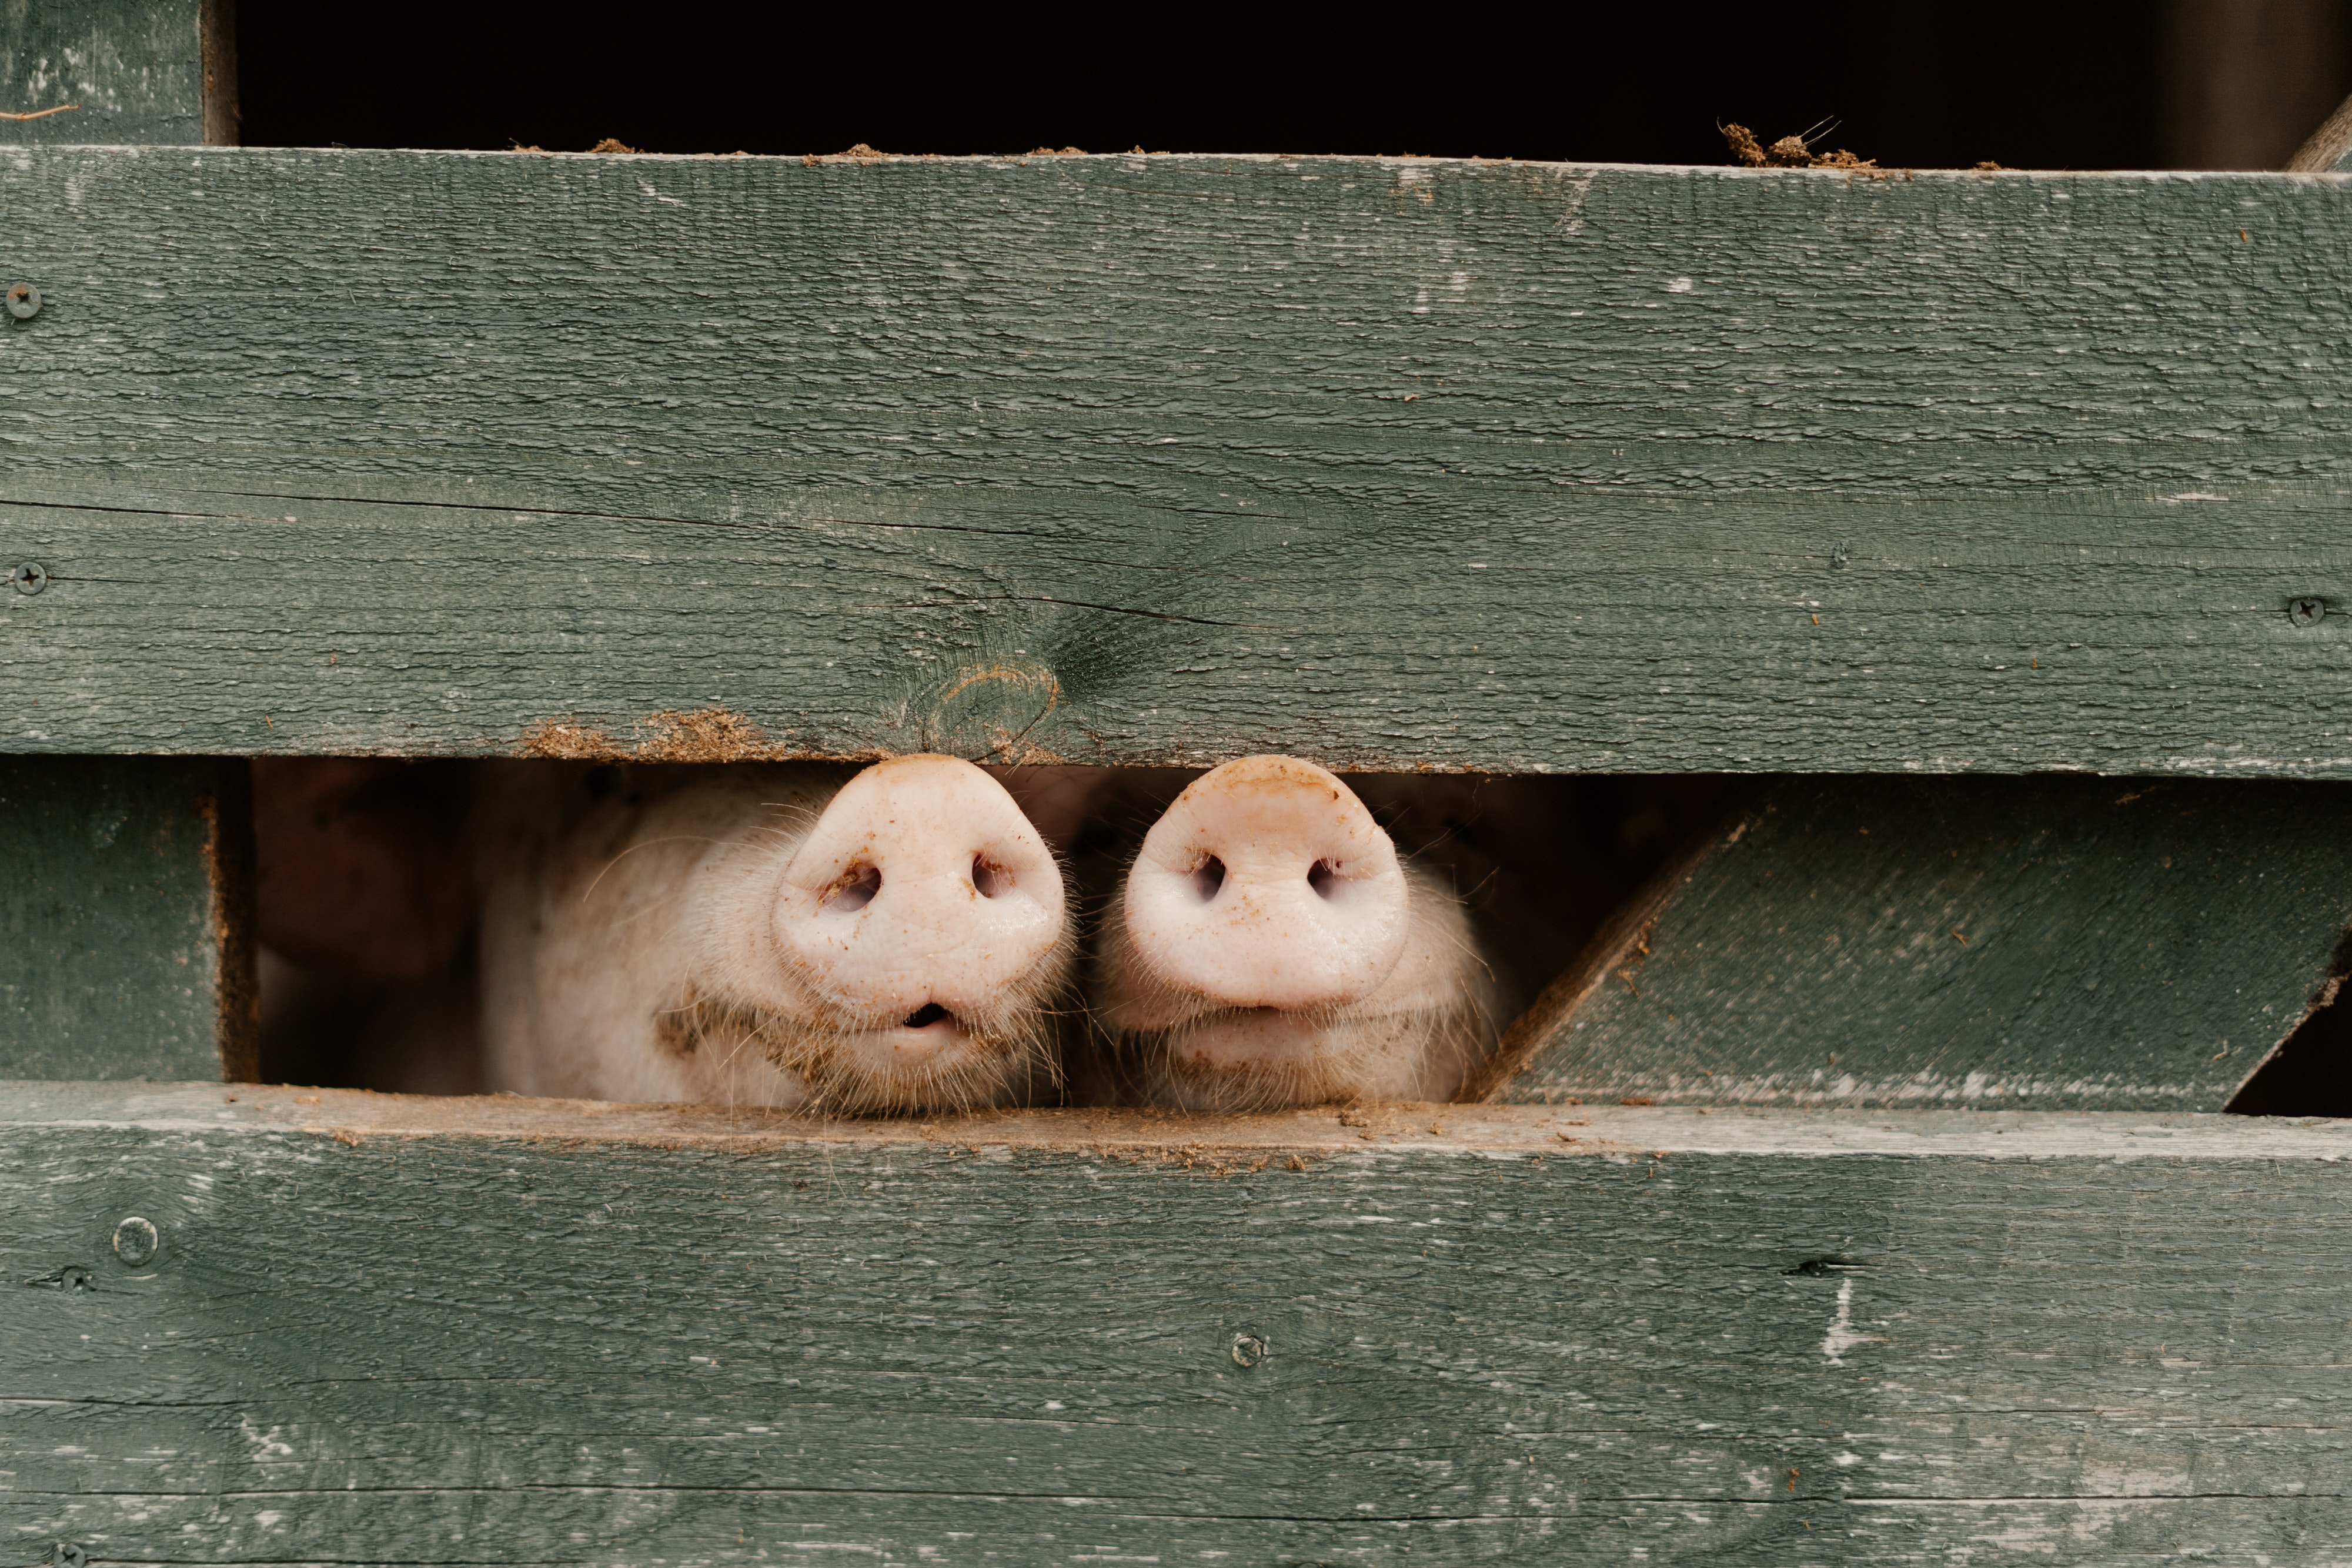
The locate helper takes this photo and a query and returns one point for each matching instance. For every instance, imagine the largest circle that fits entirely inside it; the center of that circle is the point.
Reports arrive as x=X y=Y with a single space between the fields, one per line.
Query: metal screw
x=2307 y=613
x=1838 y=551
x=135 y=1241
x=66 y=1554
x=24 y=301
x=1249 y=1350
x=29 y=577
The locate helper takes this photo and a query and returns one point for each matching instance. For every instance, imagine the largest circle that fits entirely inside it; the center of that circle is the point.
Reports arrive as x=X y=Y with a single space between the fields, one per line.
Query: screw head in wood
x=2307 y=613
x=24 y=301
x=136 y=1241
x=66 y=1554
x=29 y=577
x=1249 y=1349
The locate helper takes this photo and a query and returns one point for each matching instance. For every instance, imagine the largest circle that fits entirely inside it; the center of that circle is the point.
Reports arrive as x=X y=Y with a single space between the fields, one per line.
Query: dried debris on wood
x=861 y=153
x=613 y=145
x=1789 y=152
x=38 y=113
x=707 y=734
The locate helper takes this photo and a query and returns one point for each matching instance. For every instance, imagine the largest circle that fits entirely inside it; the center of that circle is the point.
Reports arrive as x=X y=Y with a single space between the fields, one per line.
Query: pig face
x=1268 y=947
x=896 y=942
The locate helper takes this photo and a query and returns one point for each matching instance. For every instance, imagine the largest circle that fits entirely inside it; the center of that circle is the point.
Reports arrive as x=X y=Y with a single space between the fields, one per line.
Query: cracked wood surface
x=506 y=1332
x=1387 y=462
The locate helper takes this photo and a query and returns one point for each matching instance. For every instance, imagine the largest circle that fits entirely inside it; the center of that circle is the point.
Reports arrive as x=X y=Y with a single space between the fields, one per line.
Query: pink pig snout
x=921 y=890
x=1267 y=884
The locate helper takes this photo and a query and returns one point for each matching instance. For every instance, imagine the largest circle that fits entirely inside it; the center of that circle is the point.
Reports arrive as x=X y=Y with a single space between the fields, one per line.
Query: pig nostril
x=856 y=891
x=927 y=1015
x=986 y=877
x=1208 y=877
x=1320 y=875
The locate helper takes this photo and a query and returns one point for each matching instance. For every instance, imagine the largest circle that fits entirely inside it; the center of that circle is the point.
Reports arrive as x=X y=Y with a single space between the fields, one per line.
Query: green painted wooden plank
x=1390 y=462
x=2039 y=943
x=125 y=952
x=125 y=912
x=134 y=68
x=498 y=1333
x=1910 y=941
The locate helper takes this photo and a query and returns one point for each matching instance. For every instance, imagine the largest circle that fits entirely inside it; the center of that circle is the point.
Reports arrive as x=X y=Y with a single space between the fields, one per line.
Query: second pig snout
x=1267 y=884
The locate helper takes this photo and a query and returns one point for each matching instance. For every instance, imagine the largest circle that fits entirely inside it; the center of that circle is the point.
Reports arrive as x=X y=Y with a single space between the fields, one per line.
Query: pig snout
x=1269 y=947
x=780 y=935
x=1267 y=884
x=924 y=904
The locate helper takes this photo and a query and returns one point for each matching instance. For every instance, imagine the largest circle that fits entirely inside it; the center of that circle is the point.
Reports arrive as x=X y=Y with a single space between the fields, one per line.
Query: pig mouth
x=927 y=1015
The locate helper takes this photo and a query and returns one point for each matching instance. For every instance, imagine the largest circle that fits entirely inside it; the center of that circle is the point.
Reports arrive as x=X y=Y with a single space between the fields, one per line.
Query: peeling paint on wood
x=638 y=1336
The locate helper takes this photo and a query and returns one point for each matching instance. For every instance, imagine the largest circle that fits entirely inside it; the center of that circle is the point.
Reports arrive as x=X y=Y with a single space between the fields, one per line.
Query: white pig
x=1268 y=947
x=894 y=940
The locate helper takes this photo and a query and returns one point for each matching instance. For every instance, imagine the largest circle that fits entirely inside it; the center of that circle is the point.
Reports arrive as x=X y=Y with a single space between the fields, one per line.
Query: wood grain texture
x=134 y=67
x=1392 y=463
x=118 y=958
x=531 y=1334
x=2044 y=944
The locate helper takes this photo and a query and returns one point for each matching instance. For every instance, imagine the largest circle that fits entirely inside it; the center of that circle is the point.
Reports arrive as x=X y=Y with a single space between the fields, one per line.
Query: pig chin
x=1263 y=1059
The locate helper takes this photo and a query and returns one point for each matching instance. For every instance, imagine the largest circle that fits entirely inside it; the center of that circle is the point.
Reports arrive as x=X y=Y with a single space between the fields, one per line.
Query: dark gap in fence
x=2109 y=84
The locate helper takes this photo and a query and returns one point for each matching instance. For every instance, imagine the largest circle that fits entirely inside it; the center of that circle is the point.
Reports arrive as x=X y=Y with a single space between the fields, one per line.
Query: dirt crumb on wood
x=613 y=145
x=861 y=153
x=1788 y=152
x=706 y=735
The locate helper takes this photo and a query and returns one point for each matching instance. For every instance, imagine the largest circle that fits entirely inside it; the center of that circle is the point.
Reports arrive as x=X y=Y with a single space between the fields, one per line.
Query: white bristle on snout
x=922 y=885
x=1267 y=884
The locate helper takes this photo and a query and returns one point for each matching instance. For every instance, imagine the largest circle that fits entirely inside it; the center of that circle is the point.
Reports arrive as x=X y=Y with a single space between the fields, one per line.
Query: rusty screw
x=29 y=577
x=2307 y=613
x=1248 y=1349
x=24 y=301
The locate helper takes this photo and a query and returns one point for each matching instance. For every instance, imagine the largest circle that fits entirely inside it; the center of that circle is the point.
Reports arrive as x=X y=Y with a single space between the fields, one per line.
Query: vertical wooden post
x=216 y=28
x=125 y=918
x=126 y=882
x=105 y=71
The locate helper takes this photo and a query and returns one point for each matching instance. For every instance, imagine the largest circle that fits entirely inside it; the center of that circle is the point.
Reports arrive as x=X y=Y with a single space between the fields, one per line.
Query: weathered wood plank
x=122 y=921
x=2042 y=943
x=134 y=70
x=522 y=1332
x=128 y=913
x=1391 y=463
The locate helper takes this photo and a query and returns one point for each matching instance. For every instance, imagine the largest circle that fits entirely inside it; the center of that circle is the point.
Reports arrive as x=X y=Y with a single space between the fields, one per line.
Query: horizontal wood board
x=113 y=952
x=1391 y=463
x=2051 y=943
x=508 y=1333
x=132 y=69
